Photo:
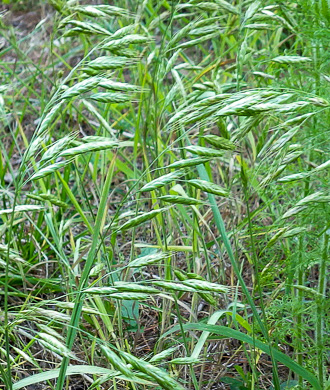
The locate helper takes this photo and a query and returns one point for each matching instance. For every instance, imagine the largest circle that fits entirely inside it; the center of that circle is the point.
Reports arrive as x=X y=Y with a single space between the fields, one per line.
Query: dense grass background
x=164 y=181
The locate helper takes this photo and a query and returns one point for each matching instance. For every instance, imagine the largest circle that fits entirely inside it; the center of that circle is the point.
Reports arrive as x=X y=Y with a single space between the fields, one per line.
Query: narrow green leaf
x=231 y=333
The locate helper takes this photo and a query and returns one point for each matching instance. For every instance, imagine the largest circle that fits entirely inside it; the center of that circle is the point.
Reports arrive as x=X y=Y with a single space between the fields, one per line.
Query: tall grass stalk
x=321 y=308
x=165 y=168
x=79 y=300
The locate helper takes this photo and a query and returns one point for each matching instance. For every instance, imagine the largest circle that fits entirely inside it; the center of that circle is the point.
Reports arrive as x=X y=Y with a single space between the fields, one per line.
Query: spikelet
x=173 y=286
x=148 y=259
x=205 y=286
x=107 y=63
x=136 y=221
x=203 y=151
x=110 y=97
x=191 y=162
x=209 y=187
x=22 y=209
x=102 y=10
x=83 y=28
x=49 y=169
x=177 y=199
x=81 y=87
x=89 y=147
x=51 y=198
x=118 y=363
x=48 y=119
x=291 y=59
x=134 y=287
x=163 y=180
x=316 y=197
x=219 y=142
x=118 y=86
x=160 y=376
x=53 y=152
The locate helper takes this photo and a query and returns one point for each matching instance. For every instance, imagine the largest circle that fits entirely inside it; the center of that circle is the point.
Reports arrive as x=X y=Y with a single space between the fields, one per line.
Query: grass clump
x=164 y=184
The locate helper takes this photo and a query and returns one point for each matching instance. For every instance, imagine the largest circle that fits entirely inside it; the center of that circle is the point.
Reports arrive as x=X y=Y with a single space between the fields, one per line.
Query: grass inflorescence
x=164 y=180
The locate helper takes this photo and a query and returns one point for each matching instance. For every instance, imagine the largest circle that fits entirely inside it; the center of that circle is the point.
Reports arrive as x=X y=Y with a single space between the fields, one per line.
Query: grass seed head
x=209 y=187
x=163 y=180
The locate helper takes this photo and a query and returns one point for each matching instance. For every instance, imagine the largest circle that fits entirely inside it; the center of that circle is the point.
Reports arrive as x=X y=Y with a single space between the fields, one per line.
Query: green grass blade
x=232 y=333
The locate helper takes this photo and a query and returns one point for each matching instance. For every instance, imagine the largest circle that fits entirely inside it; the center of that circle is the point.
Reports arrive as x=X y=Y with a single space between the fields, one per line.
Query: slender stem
x=299 y=318
x=256 y=273
x=6 y=321
x=222 y=229
x=320 y=310
x=75 y=317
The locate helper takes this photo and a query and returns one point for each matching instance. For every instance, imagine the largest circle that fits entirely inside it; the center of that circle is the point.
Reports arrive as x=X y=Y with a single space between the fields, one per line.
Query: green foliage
x=164 y=168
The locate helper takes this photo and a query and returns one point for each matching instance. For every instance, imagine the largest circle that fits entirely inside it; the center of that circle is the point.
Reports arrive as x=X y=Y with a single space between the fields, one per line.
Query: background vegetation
x=164 y=191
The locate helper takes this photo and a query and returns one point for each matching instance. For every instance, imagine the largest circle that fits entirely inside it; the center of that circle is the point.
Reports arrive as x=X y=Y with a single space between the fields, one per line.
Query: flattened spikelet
x=251 y=11
x=141 y=219
x=163 y=180
x=52 y=343
x=284 y=139
x=291 y=59
x=163 y=354
x=100 y=290
x=204 y=285
x=130 y=296
x=180 y=199
x=259 y=26
x=13 y=255
x=206 y=296
x=304 y=175
x=134 y=287
x=203 y=151
x=323 y=166
x=127 y=40
x=294 y=211
x=48 y=119
x=317 y=197
x=81 y=87
x=115 y=360
x=294 y=177
x=107 y=63
x=88 y=148
x=219 y=142
x=102 y=10
x=276 y=237
x=22 y=209
x=83 y=28
x=148 y=259
x=173 y=286
x=110 y=97
x=33 y=147
x=209 y=187
x=192 y=162
x=118 y=86
x=51 y=198
x=227 y=6
x=294 y=232
x=194 y=42
x=54 y=150
x=158 y=374
x=242 y=106
x=289 y=158
x=49 y=169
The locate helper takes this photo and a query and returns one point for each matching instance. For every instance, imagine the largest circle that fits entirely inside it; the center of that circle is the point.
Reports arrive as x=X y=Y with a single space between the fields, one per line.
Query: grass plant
x=164 y=180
